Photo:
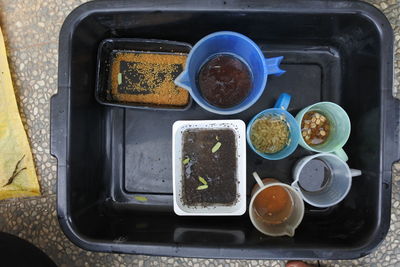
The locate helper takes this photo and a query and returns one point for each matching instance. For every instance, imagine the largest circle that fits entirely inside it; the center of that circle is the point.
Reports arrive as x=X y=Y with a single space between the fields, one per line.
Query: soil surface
x=217 y=167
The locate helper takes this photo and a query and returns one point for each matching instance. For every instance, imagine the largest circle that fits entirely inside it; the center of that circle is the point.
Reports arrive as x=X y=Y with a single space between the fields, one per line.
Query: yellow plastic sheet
x=17 y=171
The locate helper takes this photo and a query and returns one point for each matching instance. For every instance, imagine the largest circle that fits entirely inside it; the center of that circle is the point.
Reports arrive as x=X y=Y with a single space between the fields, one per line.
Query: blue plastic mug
x=239 y=46
x=294 y=129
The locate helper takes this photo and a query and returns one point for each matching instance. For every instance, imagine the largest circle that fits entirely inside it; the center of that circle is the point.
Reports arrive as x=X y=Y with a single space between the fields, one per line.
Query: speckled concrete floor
x=31 y=29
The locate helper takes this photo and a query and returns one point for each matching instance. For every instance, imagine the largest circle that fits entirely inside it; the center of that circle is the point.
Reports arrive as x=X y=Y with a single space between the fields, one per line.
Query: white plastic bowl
x=239 y=206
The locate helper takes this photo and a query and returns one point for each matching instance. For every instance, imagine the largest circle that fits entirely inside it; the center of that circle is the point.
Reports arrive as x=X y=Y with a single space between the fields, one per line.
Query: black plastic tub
x=335 y=51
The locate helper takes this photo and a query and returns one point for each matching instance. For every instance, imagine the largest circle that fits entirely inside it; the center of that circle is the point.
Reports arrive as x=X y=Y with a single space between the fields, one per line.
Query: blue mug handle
x=283 y=101
x=272 y=66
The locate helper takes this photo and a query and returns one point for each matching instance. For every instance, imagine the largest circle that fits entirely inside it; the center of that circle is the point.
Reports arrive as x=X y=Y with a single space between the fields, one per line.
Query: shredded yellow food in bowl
x=270 y=134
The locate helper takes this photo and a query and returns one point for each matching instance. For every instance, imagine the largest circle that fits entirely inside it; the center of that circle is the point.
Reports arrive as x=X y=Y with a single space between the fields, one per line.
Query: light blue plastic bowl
x=278 y=110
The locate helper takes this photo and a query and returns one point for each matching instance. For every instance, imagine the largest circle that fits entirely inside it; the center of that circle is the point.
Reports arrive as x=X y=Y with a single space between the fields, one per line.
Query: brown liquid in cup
x=273 y=205
x=315 y=128
x=224 y=81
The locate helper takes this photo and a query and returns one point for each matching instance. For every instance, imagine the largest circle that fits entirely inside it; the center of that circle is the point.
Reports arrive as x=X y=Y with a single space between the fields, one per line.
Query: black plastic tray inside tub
x=333 y=51
x=107 y=51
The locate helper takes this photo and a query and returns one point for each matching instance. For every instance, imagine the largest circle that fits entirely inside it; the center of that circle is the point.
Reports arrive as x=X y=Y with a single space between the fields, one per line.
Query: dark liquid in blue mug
x=224 y=81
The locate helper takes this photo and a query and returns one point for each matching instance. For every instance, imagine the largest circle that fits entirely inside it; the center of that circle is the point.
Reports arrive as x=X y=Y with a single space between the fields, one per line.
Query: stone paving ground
x=31 y=29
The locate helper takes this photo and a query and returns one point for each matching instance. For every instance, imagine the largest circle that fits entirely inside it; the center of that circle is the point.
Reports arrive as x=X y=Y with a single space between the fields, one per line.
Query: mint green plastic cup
x=339 y=131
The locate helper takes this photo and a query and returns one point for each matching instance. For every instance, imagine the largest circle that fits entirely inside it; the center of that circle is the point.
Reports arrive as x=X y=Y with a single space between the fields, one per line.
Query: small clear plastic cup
x=336 y=189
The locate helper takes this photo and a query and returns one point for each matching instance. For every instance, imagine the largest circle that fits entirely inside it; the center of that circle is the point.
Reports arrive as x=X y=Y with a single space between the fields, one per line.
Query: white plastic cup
x=336 y=189
x=287 y=227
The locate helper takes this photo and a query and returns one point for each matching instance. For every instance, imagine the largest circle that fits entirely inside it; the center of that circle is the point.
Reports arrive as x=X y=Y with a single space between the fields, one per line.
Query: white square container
x=239 y=206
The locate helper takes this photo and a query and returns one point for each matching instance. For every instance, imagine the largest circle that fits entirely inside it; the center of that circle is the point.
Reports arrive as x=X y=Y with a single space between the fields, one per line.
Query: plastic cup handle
x=355 y=172
x=341 y=154
x=272 y=66
x=283 y=101
x=258 y=179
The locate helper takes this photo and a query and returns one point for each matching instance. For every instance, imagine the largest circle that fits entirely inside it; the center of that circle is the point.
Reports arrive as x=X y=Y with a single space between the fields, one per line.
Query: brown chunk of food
x=315 y=128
